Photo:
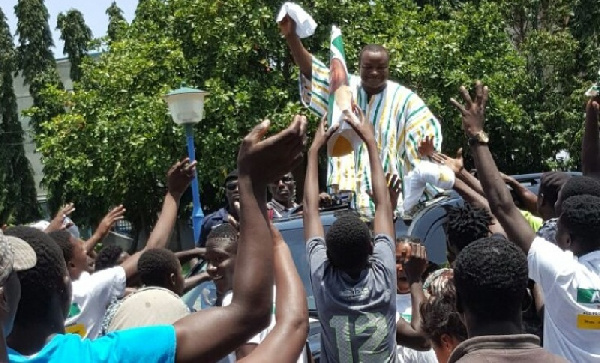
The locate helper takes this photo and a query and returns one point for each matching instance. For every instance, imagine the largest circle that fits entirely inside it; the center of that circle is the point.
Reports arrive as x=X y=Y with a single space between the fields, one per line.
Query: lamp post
x=186 y=106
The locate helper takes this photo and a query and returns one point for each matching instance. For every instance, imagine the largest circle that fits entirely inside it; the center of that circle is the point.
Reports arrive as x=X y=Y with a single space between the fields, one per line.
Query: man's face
x=231 y=192
x=221 y=263
x=402 y=286
x=374 y=71
x=283 y=190
x=10 y=296
x=79 y=261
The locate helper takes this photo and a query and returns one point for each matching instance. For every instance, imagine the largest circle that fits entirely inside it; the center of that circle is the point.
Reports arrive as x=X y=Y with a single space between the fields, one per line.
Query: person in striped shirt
x=401 y=118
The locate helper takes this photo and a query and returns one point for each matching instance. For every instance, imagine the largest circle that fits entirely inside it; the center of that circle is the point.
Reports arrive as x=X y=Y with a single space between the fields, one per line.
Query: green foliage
x=18 y=193
x=117 y=25
x=117 y=140
x=76 y=35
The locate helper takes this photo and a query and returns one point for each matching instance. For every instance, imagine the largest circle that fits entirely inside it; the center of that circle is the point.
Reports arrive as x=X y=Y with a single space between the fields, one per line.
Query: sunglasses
x=232 y=185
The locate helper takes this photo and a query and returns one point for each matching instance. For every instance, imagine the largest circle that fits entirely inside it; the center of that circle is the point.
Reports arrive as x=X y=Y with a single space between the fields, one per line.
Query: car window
x=295 y=241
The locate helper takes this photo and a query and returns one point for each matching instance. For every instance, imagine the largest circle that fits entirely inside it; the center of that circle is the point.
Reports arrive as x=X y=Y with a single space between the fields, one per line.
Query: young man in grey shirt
x=353 y=276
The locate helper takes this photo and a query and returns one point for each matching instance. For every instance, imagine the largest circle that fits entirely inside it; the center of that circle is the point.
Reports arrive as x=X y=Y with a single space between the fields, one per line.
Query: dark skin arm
x=498 y=196
x=590 y=153
x=312 y=221
x=384 y=216
x=210 y=334
x=194 y=281
x=286 y=341
x=301 y=56
x=410 y=335
x=188 y=255
x=56 y=223
x=178 y=179
x=528 y=198
x=104 y=227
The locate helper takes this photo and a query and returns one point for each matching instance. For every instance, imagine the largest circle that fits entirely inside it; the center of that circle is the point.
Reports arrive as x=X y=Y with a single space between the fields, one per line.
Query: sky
x=93 y=12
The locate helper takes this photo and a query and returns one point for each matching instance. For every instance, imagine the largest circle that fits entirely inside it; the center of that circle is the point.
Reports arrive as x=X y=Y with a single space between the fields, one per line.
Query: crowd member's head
x=110 y=256
x=374 y=63
x=45 y=289
x=15 y=255
x=550 y=185
x=465 y=224
x=349 y=243
x=577 y=185
x=231 y=190
x=221 y=251
x=491 y=278
x=441 y=322
x=161 y=268
x=402 y=246
x=73 y=252
x=579 y=224
x=284 y=190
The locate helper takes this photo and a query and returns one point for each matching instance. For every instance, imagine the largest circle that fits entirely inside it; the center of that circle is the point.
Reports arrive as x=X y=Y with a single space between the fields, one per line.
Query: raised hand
x=394 y=187
x=287 y=26
x=415 y=263
x=109 y=220
x=179 y=176
x=363 y=128
x=426 y=147
x=473 y=111
x=269 y=159
x=57 y=222
x=323 y=134
x=457 y=164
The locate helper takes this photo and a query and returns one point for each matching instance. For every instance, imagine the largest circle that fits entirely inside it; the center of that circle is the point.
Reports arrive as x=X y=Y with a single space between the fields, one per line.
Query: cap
x=15 y=255
x=231 y=176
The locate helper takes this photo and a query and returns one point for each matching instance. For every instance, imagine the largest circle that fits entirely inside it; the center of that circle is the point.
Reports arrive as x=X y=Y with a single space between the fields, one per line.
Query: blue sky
x=93 y=12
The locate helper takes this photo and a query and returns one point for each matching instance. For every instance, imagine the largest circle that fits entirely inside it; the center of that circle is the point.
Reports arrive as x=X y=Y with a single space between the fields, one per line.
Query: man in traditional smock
x=401 y=118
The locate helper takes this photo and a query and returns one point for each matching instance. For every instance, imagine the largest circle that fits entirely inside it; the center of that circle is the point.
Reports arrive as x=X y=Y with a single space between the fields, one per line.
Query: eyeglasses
x=285 y=179
x=232 y=185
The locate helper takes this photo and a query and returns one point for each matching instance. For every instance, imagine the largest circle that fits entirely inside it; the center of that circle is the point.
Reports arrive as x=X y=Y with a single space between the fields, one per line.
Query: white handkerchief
x=305 y=24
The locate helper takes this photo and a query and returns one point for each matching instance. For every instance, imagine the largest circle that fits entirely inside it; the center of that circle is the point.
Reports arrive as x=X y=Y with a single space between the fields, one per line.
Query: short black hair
x=108 y=257
x=465 y=224
x=580 y=185
x=348 y=242
x=224 y=232
x=439 y=316
x=550 y=184
x=407 y=239
x=375 y=48
x=581 y=216
x=156 y=265
x=491 y=279
x=40 y=283
x=62 y=239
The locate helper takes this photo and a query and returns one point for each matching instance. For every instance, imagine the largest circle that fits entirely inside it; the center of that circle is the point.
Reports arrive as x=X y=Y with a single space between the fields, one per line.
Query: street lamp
x=186 y=106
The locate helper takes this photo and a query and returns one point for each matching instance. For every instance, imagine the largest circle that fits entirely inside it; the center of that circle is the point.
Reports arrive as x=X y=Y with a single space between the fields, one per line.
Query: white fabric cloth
x=425 y=172
x=90 y=298
x=258 y=338
x=571 y=288
x=408 y=355
x=305 y=24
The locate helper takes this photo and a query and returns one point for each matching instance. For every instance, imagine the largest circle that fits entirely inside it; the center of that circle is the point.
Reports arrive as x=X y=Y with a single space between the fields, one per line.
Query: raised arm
x=188 y=255
x=57 y=222
x=384 y=216
x=526 y=196
x=301 y=56
x=310 y=202
x=211 y=334
x=501 y=203
x=590 y=153
x=286 y=341
x=104 y=227
x=178 y=179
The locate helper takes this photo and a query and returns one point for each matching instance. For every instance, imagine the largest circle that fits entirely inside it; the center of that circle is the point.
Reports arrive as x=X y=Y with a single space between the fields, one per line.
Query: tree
x=117 y=24
x=34 y=58
x=117 y=139
x=76 y=35
x=18 y=196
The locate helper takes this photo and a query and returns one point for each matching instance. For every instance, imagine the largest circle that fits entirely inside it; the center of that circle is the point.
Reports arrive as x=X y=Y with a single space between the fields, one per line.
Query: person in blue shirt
x=227 y=214
x=39 y=335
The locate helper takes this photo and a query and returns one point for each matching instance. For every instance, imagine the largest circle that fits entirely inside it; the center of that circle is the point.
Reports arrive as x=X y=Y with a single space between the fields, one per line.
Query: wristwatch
x=479 y=138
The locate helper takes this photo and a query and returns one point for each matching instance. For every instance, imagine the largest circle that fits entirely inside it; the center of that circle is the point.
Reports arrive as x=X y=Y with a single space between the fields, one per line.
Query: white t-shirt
x=258 y=338
x=571 y=288
x=408 y=355
x=91 y=295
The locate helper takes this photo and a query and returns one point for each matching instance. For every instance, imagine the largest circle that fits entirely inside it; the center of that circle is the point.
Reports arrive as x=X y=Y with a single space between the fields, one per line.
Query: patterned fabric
x=401 y=121
x=279 y=210
x=548 y=230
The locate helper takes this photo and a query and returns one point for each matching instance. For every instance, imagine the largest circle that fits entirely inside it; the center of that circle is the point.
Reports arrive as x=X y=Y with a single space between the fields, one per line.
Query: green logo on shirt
x=74 y=310
x=588 y=296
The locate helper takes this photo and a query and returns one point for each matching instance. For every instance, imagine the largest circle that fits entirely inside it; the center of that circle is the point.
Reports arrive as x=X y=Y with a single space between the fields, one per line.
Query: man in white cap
x=15 y=255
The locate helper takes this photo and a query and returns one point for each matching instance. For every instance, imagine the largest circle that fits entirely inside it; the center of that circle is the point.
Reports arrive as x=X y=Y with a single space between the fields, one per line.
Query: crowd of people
x=521 y=284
